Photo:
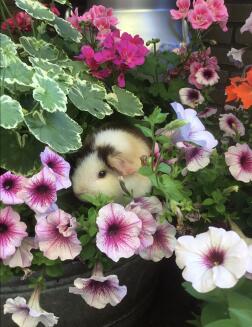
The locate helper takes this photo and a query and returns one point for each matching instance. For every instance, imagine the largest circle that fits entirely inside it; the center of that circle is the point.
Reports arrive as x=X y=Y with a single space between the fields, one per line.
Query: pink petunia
x=58 y=166
x=10 y=187
x=231 y=125
x=12 y=232
x=56 y=236
x=40 y=191
x=200 y=16
x=119 y=231
x=190 y=97
x=183 y=9
x=207 y=112
x=239 y=160
x=163 y=244
x=207 y=76
x=22 y=256
x=196 y=157
x=151 y=204
x=98 y=290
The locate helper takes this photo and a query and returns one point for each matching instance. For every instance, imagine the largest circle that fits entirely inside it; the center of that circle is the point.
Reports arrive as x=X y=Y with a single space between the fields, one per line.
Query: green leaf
x=145 y=130
x=174 y=87
x=173 y=189
x=208 y=202
x=10 y=112
x=66 y=30
x=90 y=97
x=213 y=311
x=156 y=117
x=84 y=239
x=164 y=168
x=223 y=323
x=39 y=48
x=20 y=160
x=35 y=9
x=217 y=295
x=240 y=309
x=125 y=102
x=146 y=171
x=58 y=130
x=55 y=270
x=48 y=93
x=18 y=72
x=7 y=51
x=62 y=2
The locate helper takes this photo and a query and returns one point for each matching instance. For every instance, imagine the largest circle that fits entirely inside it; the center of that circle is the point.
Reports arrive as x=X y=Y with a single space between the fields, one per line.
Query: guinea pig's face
x=93 y=176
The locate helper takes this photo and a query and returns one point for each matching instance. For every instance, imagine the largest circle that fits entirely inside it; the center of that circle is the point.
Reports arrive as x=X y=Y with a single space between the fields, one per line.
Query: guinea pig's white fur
x=124 y=161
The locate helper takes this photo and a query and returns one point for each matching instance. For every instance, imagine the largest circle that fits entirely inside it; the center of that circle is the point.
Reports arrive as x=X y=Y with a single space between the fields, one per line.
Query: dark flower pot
x=138 y=275
x=148 y=18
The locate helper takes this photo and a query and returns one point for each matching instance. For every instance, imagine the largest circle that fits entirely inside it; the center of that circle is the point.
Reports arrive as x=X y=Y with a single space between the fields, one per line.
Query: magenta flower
x=231 y=125
x=239 y=160
x=101 y=17
x=200 y=17
x=183 y=9
x=98 y=290
x=12 y=232
x=219 y=12
x=119 y=230
x=23 y=256
x=190 y=97
x=149 y=226
x=207 y=76
x=10 y=187
x=74 y=19
x=56 y=236
x=58 y=166
x=163 y=244
x=31 y=314
x=40 y=191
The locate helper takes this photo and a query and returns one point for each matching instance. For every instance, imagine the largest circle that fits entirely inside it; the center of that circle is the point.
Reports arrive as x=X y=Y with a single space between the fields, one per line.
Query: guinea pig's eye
x=102 y=173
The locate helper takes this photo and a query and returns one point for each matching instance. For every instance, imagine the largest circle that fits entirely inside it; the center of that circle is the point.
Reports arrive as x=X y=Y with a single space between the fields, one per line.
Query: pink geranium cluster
x=55 y=230
x=203 y=14
x=99 y=17
x=202 y=69
x=118 y=53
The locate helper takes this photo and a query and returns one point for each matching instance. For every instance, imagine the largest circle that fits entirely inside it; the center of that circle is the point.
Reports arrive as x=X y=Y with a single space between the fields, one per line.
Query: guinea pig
x=110 y=153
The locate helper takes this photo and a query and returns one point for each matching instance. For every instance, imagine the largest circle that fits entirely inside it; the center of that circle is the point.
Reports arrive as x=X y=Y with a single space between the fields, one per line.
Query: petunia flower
x=239 y=160
x=190 y=97
x=56 y=236
x=207 y=112
x=196 y=157
x=58 y=166
x=98 y=290
x=22 y=256
x=119 y=230
x=231 y=125
x=207 y=76
x=163 y=244
x=40 y=191
x=248 y=24
x=31 y=314
x=150 y=203
x=194 y=131
x=183 y=9
x=235 y=56
x=10 y=187
x=149 y=226
x=12 y=232
x=216 y=258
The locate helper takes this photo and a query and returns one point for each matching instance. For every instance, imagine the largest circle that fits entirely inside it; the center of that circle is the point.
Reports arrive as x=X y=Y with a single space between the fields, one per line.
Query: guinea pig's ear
x=122 y=164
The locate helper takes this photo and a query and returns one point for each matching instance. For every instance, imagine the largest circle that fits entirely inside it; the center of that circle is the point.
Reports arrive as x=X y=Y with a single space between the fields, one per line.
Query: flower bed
x=155 y=178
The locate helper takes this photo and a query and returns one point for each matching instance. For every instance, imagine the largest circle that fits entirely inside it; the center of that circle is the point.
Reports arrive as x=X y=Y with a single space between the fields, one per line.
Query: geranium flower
x=21 y=21
x=248 y=24
x=207 y=112
x=74 y=19
x=239 y=160
x=22 y=257
x=231 y=125
x=31 y=314
x=12 y=232
x=119 y=230
x=217 y=258
x=196 y=157
x=164 y=242
x=149 y=226
x=219 y=12
x=207 y=76
x=190 y=97
x=10 y=187
x=200 y=17
x=235 y=56
x=194 y=131
x=101 y=17
x=58 y=166
x=56 y=236
x=183 y=9
x=40 y=191
x=98 y=290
